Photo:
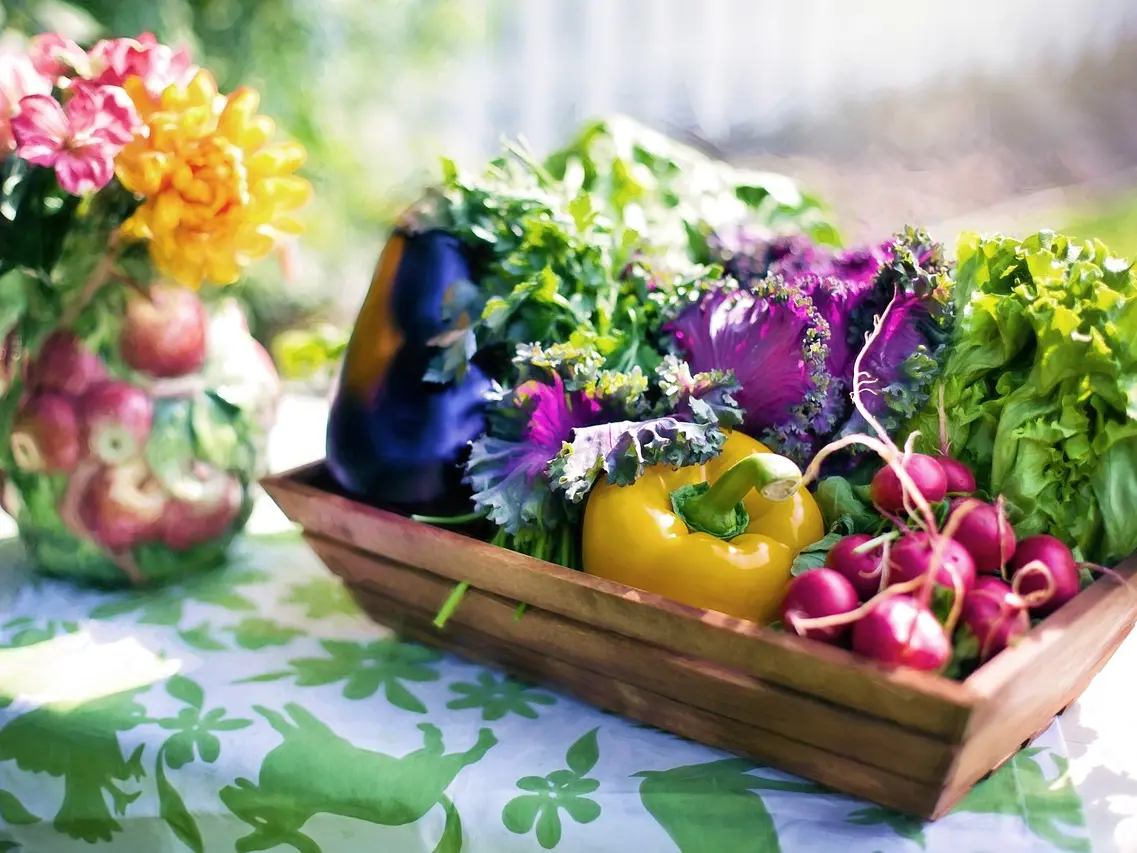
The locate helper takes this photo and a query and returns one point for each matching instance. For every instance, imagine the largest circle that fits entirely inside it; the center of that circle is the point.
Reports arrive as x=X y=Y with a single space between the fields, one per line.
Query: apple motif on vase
x=131 y=455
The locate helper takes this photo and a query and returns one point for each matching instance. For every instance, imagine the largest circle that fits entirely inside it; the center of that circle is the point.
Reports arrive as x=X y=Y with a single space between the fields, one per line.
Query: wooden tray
x=908 y=740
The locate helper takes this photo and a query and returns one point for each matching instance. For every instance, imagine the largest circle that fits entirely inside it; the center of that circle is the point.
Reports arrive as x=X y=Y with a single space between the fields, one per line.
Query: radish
x=995 y=614
x=899 y=631
x=914 y=555
x=1044 y=573
x=925 y=472
x=861 y=570
x=986 y=534
x=818 y=594
x=960 y=480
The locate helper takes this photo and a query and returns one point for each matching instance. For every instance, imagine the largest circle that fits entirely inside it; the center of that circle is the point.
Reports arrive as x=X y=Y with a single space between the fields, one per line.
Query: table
x=258 y=709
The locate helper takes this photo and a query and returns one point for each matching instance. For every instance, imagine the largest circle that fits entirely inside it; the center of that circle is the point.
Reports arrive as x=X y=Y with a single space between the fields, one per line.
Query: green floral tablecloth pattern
x=258 y=709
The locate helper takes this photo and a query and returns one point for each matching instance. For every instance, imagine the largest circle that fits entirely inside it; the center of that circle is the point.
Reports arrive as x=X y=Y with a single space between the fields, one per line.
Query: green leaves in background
x=547 y=796
x=302 y=353
x=498 y=696
x=30 y=196
x=365 y=669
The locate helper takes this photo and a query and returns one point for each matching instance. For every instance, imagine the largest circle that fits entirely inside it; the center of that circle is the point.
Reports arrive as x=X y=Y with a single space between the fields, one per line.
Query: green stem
x=450 y=604
x=718 y=510
x=449 y=519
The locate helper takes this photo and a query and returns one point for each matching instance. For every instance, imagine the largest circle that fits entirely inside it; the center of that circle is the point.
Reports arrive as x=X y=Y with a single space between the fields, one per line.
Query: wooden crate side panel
x=1027 y=685
x=915 y=700
x=732 y=694
x=832 y=771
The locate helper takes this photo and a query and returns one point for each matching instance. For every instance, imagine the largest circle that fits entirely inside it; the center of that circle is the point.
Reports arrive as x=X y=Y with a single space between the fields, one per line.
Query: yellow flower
x=217 y=195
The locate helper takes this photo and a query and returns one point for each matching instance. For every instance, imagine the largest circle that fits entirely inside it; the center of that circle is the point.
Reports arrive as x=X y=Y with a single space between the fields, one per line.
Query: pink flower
x=159 y=66
x=79 y=141
x=18 y=78
x=57 y=58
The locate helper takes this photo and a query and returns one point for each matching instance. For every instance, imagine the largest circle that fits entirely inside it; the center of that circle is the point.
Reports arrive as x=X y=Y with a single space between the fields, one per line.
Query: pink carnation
x=57 y=58
x=18 y=78
x=159 y=66
x=80 y=141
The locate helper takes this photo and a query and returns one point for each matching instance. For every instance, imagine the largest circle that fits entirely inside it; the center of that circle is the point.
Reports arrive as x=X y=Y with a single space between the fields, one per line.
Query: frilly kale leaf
x=623 y=449
x=567 y=423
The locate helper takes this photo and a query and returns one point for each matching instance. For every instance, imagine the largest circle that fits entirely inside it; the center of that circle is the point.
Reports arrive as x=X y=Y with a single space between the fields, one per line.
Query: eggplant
x=395 y=439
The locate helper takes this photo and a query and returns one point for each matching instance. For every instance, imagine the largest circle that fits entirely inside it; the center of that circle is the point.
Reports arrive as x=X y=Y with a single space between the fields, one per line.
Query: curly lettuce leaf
x=1040 y=390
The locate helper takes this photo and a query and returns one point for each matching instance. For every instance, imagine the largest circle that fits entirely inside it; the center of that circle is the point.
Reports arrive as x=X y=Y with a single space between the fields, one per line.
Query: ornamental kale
x=747 y=253
x=568 y=422
x=771 y=337
x=791 y=336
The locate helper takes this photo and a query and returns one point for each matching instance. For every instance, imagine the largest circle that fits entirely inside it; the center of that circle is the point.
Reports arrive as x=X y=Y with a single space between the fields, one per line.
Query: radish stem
x=873 y=544
x=945 y=445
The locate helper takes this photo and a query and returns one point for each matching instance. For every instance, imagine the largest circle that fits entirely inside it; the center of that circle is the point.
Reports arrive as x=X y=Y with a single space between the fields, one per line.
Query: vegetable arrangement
x=669 y=374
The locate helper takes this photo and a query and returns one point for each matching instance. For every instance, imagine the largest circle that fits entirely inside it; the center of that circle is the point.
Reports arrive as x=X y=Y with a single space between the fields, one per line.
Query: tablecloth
x=257 y=708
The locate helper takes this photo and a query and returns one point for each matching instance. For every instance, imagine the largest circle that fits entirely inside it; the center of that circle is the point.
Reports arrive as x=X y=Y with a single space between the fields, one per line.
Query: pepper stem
x=718 y=509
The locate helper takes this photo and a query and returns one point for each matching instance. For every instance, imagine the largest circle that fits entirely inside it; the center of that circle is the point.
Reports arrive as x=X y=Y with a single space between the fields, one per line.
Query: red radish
x=986 y=534
x=913 y=555
x=960 y=480
x=926 y=473
x=995 y=614
x=819 y=593
x=899 y=631
x=1044 y=573
x=861 y=570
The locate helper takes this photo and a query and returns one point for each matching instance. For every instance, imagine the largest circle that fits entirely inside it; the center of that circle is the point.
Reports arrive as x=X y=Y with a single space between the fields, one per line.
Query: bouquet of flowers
x=135 y=400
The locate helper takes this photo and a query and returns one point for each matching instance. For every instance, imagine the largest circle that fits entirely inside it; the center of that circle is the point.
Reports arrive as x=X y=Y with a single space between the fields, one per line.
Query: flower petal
x=85 y=169
x=40 y=129
x=103 y=113
x=19 y=78
x=55 y=56
x=239 y=109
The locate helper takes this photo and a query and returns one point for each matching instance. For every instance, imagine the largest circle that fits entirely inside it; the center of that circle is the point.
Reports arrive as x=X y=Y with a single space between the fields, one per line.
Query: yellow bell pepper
x=720 y=536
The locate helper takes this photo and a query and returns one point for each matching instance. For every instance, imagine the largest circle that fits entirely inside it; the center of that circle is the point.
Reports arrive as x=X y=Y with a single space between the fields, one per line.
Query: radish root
x=801 y=623
x=1039 y=596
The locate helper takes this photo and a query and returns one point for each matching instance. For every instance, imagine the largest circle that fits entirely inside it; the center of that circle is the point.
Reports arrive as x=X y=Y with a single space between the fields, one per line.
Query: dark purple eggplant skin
x=394 y=439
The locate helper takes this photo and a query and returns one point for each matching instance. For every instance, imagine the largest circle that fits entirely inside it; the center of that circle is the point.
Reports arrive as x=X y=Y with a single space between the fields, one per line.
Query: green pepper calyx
x=718 y=509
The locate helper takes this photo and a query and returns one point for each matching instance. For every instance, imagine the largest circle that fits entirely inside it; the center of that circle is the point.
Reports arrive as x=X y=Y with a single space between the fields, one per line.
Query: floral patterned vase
x=135 y=435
